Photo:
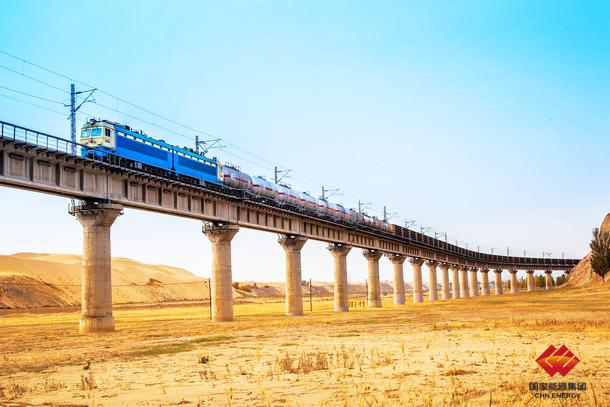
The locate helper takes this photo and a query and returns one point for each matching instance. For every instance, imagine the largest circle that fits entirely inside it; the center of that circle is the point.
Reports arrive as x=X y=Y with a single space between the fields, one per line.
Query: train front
x=98 y=137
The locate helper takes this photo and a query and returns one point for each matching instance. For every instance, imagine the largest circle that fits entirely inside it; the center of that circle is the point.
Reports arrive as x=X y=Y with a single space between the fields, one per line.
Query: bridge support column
x=96 y=306
x=474 y=282
x=485 y=282
x=339 y=252
x=498 y=281
x=464 y=282
x=548 y=279
x=455 y=273
x=399 y=281
x=432 y=284
x=418 y=294
x=374 y=291
x=222 y=291
x=445 y=292
x=530 y=280
x=513 y=281
x=294 y=287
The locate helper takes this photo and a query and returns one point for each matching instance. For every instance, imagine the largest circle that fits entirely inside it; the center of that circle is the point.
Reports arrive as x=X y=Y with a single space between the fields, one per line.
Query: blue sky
x=485 y=120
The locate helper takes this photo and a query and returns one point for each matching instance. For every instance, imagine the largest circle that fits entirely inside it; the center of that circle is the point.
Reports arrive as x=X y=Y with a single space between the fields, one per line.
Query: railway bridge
x=40 y=162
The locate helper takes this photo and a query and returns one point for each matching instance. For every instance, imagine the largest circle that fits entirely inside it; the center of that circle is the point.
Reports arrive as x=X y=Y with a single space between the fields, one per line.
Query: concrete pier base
x=374 y=291
x=339 y=252
x=474 y=282
x=445 y=291
x=464 y=291
x=96 y=308
x=418 y=292
x=455 y=274
x=548 y=280
x=531 y=286
x=222 y=291
x=485 y=282
x=498 y=281
x=399 y=281
x=432 y=282
x=513 y=281
x=294 y=289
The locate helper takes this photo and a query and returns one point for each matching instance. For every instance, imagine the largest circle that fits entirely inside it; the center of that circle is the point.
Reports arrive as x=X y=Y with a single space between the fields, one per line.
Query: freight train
x=129 y=148
x=110 y=141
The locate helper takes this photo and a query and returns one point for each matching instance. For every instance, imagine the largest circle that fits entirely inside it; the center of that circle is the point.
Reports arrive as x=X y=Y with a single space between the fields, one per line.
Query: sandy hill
x=30 y=280
x=33 y=280
x=582 y=274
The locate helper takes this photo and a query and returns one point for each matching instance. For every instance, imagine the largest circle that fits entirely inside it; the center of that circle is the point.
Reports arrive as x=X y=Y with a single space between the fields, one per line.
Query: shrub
x=600 y=252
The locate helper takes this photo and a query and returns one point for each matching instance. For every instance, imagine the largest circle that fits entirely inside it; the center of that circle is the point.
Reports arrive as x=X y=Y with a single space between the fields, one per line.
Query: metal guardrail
x=23 y=134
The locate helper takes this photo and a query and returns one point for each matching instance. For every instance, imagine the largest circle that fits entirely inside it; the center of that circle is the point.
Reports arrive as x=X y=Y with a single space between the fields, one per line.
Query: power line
x=32 y=104
x=33 y=96
x=34 y=79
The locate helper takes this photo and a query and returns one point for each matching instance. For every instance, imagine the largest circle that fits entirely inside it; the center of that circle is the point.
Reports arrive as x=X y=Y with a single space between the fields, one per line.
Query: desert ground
x=462 y=352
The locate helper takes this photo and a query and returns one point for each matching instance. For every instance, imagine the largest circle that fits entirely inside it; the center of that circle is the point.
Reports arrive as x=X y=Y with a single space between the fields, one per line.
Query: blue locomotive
x=104 y=139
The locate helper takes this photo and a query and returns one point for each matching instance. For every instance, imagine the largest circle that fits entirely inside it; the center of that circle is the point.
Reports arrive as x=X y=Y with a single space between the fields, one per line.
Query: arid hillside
x=35 y=280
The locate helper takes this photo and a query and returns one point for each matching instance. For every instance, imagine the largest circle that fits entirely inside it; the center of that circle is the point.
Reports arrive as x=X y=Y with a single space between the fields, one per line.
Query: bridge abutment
x=445 y=291
x=221 y=282
x=339 y=252
x=498 y=282
x=513 y=281
x=399 y=280
x=96 y=306
x=485 y=282
x=455 y=273
x=418 y=292
x=294 y=287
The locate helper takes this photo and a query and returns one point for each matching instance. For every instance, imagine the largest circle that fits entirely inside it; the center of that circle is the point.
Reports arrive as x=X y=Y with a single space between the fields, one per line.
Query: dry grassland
x=465 y=352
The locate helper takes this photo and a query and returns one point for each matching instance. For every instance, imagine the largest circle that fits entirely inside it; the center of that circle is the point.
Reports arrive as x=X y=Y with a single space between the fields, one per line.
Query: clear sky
x=488 y=120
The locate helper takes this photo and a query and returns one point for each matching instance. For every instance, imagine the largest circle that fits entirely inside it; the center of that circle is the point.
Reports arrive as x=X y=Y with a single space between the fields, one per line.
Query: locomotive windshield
x=90 y=133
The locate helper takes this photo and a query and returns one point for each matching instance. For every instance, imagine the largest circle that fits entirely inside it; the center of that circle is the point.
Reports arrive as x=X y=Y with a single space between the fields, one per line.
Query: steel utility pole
x=363 y=205
x=74 y=109
x=327 y=193
x=277 y=173
x=203 y=146
x=387 y=215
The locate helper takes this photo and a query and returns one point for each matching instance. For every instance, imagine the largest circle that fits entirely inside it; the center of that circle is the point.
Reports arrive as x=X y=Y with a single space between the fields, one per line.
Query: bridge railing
x=23 y=134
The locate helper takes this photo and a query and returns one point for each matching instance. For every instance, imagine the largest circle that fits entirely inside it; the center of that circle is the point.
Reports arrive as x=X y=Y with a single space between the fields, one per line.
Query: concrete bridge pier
x=339 y=252
x=445 y=291
x=455 y=273
x=513 y=281
x=374 y=291
x=432 y=284
x=294 y=289
x=399 y=280
x=464 y=282
x=418 y=292
x=96 y=306
x=548 y=280
x=485 y=282
x=531 y=286
x=474 y=282
x=498 y=282
x=220 y=236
